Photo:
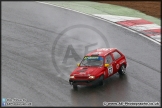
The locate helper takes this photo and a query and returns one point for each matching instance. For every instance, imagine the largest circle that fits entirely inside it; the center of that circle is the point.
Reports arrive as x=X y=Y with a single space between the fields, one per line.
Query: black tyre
x=101 y=82
x=75 y=87
x=122 y=70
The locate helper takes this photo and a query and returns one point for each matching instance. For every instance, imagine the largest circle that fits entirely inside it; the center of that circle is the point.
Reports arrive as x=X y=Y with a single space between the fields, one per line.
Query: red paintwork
x=104 y=51
x=98 y=71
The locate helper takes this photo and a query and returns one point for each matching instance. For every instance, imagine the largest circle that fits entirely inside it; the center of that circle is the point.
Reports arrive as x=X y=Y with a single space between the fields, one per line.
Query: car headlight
x=71 y=76
x=91 y=77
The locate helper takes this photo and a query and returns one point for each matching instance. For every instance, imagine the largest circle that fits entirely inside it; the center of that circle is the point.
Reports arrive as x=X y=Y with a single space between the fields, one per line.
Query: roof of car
x=101 y=52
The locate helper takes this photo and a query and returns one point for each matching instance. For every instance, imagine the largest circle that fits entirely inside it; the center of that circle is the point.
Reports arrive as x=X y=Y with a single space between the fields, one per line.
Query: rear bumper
x=83 y=82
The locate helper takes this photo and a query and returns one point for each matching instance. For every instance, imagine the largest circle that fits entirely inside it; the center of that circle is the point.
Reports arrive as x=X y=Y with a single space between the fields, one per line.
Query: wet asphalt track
x=33 y=66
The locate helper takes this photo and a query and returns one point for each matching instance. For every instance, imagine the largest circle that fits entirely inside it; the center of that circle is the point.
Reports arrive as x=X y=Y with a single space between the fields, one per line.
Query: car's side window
x=116 y=55
x=108 y=59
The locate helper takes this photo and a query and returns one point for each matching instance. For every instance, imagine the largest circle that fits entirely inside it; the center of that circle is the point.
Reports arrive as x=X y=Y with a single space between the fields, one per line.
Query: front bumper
x=83 y=82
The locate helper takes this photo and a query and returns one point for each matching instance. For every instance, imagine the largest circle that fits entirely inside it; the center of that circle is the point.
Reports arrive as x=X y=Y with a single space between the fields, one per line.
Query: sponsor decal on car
x=110 y=70
x=94 y=58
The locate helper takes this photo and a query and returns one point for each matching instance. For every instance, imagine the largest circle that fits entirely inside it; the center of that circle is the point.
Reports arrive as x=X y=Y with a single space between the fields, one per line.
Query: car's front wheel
x=75 y=87
x=122 y=70
x=101 y=82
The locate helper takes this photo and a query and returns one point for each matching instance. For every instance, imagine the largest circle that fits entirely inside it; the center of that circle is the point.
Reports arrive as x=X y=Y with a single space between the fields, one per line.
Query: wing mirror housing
x=78 y=64
x=106 y=65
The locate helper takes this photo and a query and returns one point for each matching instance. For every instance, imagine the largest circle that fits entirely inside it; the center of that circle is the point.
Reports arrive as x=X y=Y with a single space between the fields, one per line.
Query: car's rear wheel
x=122 y=70
x=101 y=82
x=75 y=87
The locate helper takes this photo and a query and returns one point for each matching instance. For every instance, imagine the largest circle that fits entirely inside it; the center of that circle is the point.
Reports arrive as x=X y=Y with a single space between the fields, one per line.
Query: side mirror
x=106 y=65
x=78 y=64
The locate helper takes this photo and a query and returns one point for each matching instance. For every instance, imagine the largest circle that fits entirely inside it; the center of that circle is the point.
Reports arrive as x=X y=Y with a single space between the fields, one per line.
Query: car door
x=116 y=59
x=110 y=68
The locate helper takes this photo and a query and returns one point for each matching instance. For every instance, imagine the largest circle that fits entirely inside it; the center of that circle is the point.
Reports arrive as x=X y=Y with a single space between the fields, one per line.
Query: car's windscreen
x=92 y=61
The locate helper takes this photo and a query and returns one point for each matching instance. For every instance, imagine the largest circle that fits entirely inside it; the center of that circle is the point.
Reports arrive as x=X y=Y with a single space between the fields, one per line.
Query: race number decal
x=110 y=70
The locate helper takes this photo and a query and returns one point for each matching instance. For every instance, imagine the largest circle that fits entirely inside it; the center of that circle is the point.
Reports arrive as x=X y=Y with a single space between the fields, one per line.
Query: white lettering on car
x=97 y=52
x=82 y=73
x=103 y=49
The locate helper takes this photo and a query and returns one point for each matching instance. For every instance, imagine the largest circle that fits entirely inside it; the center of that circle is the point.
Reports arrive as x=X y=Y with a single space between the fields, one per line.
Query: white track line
x=103 y=20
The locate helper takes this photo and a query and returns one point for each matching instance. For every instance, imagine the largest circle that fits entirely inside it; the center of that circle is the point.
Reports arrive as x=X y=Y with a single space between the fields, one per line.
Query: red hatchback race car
x=98 y=65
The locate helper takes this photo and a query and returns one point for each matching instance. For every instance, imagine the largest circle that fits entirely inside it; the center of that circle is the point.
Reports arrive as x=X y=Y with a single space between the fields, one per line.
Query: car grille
x=81 y=77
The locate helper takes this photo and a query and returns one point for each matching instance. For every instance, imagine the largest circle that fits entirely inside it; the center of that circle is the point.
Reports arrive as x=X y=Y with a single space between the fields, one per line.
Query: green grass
x=102 y=8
